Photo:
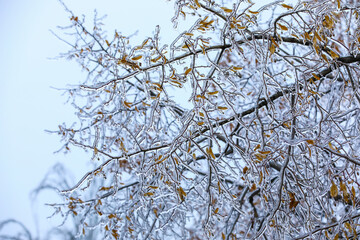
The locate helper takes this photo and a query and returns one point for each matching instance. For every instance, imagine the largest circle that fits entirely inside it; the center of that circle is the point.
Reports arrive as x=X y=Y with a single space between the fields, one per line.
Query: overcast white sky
x=27 y=103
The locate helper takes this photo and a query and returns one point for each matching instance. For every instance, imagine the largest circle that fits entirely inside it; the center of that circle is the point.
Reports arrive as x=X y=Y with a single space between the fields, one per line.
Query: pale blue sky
x=28 y=104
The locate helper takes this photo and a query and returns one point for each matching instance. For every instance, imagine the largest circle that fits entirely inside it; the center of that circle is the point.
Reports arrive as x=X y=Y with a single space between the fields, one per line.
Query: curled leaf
x=188 y=71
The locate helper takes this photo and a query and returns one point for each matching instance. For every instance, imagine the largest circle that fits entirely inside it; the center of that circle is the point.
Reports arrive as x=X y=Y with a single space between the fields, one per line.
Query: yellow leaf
x=213 y=93
x=107 y=43
x=265 y=152
x=188 y=71
x=272 y=49
x=260 y=157
x=313 y=92
x=348 y=226
x=333 y=54
x=136 y=58
x=253 y=187
x=265 y=197
x=286 y=6
x=160 y=161
x=155 y=59
x=328 y=22
x=200 y=123
x=148 y=194
x=334 y=190
x=189 y=34
x=331 y=146
x=127 y=104
x=226 y=9
x=237 y=68
x=282 y=27
x=222 y=108
x=176 y=84
x=201 y=114
x=261 y=178
x=182 y=194
x=252 y=12
x=210 y=152
x=312 y=142
x=287 y=125
x=338 y=4
x=216 y=210
x=197 y=3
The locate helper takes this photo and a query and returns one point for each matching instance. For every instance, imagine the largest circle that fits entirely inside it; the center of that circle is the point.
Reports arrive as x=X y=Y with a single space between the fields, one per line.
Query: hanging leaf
x=197 y=3
x=222 y=108
x=312 y=142
x=213 y=93
x=333 y=190
x=333 y=54
x=181 y=193
x=282 y=27
x=148 y=194
x=136 y=58
x=288 y=7
x=237 y=68
x=272 y=48
x=127 y=104
x=227 y=10
x=210 y=152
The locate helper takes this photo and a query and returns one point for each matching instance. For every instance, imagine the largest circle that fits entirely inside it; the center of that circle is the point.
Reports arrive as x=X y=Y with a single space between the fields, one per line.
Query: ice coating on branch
x=268 y=140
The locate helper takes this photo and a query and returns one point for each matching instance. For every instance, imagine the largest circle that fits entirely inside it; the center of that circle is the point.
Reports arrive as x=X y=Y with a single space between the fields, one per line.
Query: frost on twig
x=267 y=145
